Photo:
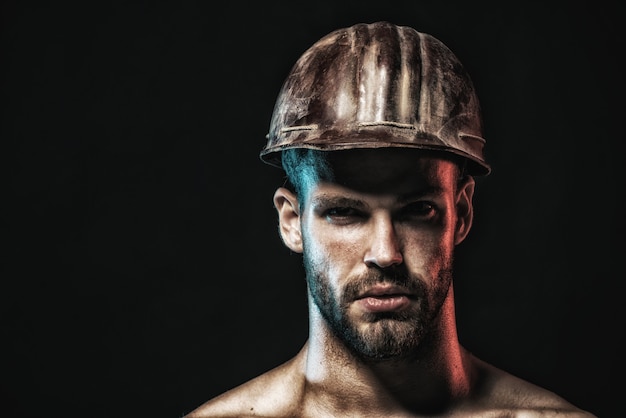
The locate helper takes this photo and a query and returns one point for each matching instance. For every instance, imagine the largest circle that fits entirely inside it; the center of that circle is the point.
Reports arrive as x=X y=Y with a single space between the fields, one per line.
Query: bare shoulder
x=504 y=394
x=274 y=393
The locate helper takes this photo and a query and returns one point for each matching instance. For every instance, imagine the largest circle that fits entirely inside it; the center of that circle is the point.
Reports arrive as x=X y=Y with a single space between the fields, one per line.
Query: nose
x=384 y=249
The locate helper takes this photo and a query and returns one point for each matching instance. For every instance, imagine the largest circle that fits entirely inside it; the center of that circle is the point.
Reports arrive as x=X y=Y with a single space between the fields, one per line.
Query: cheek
x=428 y=252
x=333 y=254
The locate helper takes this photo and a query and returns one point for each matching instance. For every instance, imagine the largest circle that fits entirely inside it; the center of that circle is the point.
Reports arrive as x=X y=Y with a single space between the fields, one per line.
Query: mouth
x=384 y=298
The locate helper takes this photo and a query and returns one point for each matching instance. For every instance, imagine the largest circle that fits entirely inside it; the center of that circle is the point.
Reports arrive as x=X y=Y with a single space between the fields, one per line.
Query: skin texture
x=378 y=239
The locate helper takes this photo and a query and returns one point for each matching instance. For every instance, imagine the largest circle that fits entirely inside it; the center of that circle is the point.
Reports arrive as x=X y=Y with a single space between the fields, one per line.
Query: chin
x=386 y=339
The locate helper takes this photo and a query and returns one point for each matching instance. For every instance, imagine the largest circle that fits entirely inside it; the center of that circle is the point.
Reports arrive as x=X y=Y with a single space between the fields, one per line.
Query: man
x=379 y=131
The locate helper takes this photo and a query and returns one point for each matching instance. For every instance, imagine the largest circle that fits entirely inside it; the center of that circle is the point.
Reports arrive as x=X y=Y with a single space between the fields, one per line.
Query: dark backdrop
x=143 y=273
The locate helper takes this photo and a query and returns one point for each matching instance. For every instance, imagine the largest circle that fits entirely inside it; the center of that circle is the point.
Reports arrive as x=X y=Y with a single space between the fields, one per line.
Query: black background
x=143 y=273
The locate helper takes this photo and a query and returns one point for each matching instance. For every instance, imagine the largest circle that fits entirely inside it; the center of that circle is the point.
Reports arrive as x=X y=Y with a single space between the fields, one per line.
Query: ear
x=286 y=204
x=464 y=209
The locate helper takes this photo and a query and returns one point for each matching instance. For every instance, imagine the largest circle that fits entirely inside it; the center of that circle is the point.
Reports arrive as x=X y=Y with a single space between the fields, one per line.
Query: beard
x=384 y=335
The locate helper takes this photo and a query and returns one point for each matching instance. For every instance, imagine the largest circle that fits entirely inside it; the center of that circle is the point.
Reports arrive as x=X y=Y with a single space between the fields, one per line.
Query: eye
x=420 y=210
x=343 y=214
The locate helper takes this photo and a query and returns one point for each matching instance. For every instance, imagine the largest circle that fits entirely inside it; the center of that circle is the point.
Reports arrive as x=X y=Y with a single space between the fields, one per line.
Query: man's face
x=378 y=246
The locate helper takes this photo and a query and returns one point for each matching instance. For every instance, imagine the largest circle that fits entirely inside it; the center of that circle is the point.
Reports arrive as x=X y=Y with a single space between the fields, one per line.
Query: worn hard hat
x=378 y=85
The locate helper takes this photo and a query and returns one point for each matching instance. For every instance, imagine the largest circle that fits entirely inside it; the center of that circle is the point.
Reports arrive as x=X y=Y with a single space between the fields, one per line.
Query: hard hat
x=378 y=85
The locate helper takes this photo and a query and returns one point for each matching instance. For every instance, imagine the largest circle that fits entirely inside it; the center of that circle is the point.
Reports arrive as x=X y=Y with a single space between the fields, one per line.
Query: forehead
x=389 y=170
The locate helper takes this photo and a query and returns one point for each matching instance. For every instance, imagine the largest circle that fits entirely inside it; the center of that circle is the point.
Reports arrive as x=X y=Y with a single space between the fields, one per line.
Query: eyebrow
x=343 y=201
x=426 y=191
x=339 y=201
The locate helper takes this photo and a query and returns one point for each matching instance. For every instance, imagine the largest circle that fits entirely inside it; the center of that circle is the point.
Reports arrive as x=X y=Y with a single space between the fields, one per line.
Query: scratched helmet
x=378 y=85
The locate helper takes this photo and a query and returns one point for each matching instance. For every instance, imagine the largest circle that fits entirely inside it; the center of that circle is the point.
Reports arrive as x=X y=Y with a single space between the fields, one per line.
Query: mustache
x=413 y=285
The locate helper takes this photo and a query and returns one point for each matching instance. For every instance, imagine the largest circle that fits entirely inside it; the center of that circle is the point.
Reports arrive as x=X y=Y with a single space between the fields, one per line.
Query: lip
x=384 y=298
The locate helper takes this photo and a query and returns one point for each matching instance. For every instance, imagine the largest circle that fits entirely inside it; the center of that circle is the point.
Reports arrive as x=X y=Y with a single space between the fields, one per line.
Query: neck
x=437 y=374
